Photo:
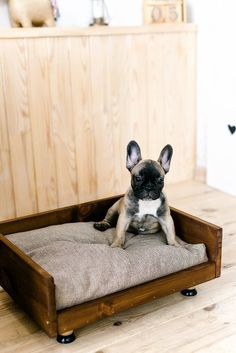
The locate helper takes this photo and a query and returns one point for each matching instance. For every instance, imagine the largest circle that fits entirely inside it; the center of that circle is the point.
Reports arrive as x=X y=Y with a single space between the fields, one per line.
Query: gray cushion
x=85 y=267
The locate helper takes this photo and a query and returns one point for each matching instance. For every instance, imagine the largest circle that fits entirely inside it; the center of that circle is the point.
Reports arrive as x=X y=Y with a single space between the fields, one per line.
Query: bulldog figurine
x=29 y=13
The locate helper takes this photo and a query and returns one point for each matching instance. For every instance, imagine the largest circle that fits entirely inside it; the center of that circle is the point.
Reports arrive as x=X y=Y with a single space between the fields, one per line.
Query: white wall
x=221 y=145
x=199 y=13
x=4 y=21
x=78 y=12
x=216 y=90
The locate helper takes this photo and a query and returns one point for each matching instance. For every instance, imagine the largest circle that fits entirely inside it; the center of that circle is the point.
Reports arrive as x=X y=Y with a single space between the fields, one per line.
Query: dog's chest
x=148 y=208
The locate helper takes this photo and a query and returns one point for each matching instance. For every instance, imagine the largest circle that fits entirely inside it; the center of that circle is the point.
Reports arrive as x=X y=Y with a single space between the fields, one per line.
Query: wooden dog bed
x=33 y=288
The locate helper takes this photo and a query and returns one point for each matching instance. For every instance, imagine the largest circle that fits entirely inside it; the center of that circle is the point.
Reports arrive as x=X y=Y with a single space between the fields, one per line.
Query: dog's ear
x=133 y=155
x=165 y=157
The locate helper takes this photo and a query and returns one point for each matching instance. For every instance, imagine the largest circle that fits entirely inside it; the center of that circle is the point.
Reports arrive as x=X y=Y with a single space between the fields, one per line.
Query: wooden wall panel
x=119 y=105
x=40 y=105
x=81 y=78
x=100 y=93
x=7 y=202
x=16 y=103
x=171 y=101
x=72 y=99
x=128 y=87
x=62 y=120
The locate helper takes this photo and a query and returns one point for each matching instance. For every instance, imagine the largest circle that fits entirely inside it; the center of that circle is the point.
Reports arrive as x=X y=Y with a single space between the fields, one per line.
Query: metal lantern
x=99 y=11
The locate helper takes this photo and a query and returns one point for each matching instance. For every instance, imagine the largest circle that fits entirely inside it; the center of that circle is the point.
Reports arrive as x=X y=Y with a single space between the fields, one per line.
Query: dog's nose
x=148 y=187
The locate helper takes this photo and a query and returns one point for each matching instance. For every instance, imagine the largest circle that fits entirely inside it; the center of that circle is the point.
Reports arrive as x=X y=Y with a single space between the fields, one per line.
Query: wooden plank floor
x=203 y=324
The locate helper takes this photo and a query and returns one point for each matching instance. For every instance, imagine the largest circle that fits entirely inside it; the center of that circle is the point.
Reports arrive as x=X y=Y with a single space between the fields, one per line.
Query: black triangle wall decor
x=232 y=129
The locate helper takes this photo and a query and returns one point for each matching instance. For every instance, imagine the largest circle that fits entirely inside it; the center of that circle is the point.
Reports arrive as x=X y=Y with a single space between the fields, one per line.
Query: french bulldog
x=144 y=208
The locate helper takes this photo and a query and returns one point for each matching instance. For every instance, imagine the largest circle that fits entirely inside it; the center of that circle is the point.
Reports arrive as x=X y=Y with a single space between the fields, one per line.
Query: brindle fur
x=125 y=212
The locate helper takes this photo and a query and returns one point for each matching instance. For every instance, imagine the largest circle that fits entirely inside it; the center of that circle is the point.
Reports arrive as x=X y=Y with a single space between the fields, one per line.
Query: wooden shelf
x=94 y=31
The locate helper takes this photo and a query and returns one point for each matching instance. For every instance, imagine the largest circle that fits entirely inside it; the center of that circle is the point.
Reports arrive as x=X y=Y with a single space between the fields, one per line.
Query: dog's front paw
x=101 y=226
x=117 y=244
x=175 y=243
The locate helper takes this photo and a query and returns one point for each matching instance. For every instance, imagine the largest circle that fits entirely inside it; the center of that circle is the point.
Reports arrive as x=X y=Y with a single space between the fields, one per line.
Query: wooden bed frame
x=34 y=290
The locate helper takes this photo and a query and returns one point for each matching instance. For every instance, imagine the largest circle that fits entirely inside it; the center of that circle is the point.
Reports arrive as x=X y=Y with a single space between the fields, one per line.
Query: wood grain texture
x=170 y=114
x=40 y=103
x=166 y=12
x=80 y=315
x=18 y=125
x=96 y=30
x=34 y=291
x=205 y=323
x=33 y=288
x=62 y=120
x=7 y=203
x=72 y=102
x=84 y=126
x=195 y=230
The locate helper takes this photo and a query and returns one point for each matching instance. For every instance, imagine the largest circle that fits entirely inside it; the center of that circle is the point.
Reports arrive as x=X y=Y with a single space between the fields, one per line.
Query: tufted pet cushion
x=85 y=267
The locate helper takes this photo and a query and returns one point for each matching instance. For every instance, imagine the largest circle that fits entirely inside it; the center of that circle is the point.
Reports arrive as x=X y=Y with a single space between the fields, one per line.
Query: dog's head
x=147 y=176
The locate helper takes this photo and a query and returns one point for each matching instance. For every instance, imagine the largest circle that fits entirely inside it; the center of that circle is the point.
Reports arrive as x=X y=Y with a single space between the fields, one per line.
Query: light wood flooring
x=203 y=324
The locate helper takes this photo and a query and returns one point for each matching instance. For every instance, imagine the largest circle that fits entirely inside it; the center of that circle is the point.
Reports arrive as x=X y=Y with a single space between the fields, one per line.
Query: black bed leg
x=66 y=337
x=191 y=292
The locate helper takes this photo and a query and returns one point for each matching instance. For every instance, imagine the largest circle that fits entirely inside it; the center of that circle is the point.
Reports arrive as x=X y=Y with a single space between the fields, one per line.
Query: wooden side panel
x=29 y=285
x=89 y=211
x=194 y=230
x=83 y=314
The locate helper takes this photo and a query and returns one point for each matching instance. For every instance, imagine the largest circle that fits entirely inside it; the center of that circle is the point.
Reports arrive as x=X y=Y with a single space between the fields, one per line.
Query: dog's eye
x=160 y=180
x=138 y=178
